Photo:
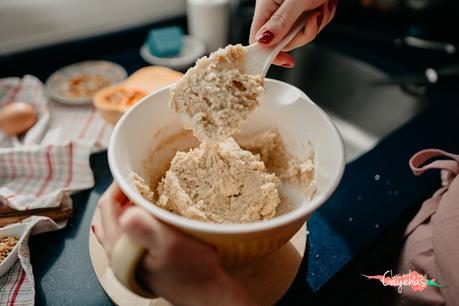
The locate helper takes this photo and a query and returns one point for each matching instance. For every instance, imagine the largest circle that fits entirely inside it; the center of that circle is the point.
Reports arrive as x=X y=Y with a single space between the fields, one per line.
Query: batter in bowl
x=221 y=183
x=218 y=181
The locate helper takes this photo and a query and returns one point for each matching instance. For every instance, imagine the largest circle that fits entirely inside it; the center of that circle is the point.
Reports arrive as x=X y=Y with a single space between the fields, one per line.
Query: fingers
x=99 y=234
x=310 y=31
x=332 y=7
x=327 y=10
x=317 y=20
x=159 y=239
x=111 y=205
x=285 y=60
x=108 y=208
x=282 y=19
x=142 y=227
x=118 y=194
x=279 y=23
x=264 y=9
x=274 y=18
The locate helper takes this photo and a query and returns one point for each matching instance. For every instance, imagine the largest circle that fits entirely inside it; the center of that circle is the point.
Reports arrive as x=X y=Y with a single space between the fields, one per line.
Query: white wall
x=26 y=24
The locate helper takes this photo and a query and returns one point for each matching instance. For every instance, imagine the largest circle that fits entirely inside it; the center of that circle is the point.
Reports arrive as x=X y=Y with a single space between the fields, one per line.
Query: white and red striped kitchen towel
x=41 y=168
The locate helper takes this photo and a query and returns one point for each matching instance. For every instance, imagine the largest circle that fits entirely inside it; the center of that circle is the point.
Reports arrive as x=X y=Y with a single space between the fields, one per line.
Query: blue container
x=165 y=42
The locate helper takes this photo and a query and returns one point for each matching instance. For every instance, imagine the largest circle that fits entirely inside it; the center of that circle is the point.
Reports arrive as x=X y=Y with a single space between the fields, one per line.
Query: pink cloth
x=42 y=168
x=432 y=237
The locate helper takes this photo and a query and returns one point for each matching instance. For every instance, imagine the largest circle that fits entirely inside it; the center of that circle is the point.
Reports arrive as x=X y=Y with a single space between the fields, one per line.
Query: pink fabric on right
x=432 y=238
x=445 y=232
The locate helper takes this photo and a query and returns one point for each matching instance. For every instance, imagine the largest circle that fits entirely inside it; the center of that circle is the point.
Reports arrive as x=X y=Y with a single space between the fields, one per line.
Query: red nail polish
x=93 y=228
x=288 y=65
x=265 y=37
x=320 y=18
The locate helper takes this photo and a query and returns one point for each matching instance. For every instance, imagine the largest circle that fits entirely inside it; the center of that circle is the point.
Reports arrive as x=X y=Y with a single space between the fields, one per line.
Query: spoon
x=259 y=58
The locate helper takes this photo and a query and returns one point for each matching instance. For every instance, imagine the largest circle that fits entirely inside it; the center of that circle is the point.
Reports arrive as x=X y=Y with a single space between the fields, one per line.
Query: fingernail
x=288 y=65
x=320 y=18
x=330 y=5
x=93 y=228
x=265 y=37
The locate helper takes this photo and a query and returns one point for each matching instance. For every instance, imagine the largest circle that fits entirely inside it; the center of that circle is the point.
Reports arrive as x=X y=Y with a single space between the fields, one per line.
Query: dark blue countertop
x=375 y=191
x=351 y=231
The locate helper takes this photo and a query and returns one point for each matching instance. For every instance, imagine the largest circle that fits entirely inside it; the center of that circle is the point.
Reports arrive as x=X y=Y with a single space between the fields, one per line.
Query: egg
x=17 y=117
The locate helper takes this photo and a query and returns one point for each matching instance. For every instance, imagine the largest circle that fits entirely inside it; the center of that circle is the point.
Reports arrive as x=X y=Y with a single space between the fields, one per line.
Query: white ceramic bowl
x=13 y=230
x=302 y=125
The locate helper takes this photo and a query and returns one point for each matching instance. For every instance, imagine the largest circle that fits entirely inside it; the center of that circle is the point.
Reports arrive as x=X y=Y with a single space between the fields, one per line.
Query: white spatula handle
x=260 y=58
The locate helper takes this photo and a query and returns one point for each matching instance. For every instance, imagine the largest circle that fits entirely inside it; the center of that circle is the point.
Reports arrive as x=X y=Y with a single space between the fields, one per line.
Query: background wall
x=26 y=24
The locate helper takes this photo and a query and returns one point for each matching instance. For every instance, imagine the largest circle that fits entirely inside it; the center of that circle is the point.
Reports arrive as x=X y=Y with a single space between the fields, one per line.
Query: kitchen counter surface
x=353 y=233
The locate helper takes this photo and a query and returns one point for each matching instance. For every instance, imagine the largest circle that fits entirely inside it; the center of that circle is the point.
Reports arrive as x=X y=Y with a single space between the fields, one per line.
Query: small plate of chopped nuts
x=77 y=84
x=9 y=241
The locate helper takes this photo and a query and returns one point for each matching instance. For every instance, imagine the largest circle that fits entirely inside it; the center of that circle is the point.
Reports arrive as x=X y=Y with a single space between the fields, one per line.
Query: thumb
x=282 y=20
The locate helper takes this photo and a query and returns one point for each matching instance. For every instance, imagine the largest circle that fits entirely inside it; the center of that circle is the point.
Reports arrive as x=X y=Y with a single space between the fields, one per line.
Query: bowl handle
x=125 y=257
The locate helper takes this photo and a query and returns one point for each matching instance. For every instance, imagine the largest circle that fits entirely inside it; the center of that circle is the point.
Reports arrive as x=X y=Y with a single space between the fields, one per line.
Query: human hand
x=177 y=267
x=274 y=18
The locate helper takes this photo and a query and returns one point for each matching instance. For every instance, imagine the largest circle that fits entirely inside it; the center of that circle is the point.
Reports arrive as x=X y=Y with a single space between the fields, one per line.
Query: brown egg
x=17 y=117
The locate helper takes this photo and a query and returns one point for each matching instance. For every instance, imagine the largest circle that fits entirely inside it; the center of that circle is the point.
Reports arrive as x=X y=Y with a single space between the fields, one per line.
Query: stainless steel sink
x=342 y=85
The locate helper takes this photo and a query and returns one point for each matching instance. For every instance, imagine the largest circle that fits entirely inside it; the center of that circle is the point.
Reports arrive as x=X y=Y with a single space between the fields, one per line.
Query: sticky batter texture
x=221 y=183
x=221 y=180
x=270 y=148
x=215 y=95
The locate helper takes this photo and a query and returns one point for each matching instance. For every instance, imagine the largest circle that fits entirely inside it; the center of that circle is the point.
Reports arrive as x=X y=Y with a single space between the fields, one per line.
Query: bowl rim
x=209 y=227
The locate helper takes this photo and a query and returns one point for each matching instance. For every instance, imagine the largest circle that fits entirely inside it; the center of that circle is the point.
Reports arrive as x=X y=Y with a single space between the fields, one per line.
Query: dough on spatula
x=215 y=95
